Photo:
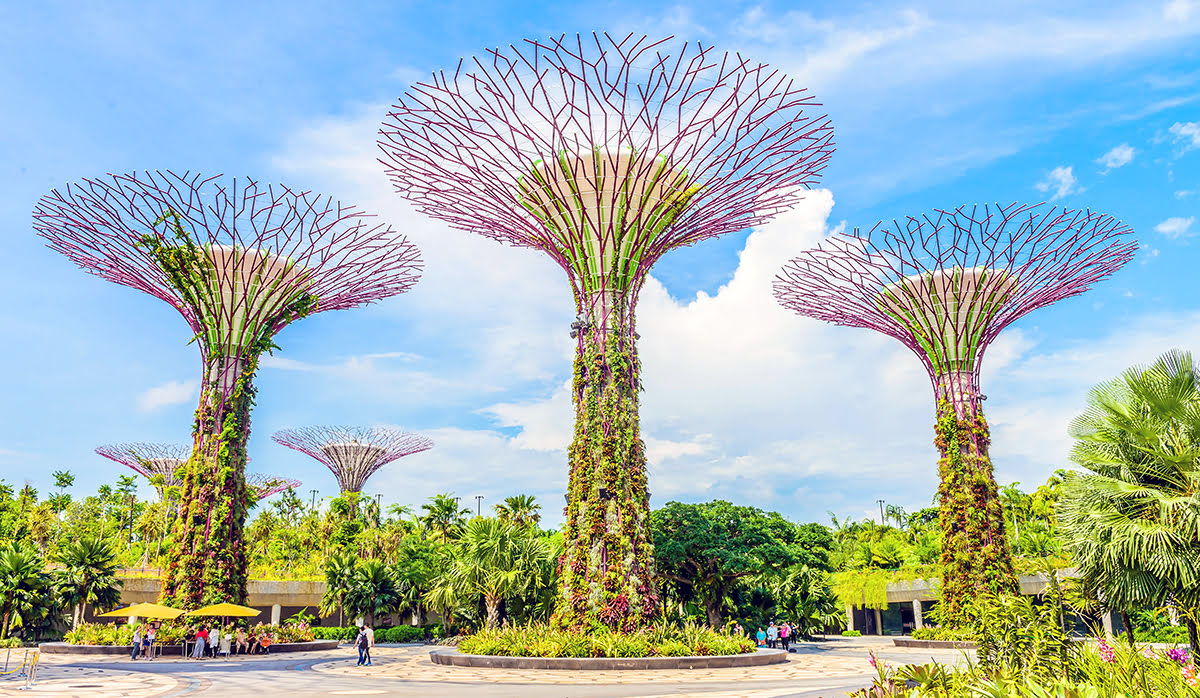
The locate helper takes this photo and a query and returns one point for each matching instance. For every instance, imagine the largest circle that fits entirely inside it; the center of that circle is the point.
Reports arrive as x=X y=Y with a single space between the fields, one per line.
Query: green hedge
x=851 y=633
x=931 y=632
x=399 y=633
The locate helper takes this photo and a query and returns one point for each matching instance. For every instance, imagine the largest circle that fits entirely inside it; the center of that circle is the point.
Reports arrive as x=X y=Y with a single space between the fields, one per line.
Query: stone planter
x=175 y=650
x=452 y=657
x=934 y=644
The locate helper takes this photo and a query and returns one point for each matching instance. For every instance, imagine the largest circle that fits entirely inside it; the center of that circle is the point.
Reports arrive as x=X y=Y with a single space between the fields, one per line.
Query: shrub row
x=542 y=641
x=931 y=632
x=399 y=633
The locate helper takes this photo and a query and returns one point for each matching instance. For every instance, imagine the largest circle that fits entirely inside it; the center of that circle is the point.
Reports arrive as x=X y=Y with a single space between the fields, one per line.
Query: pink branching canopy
x=605 y=153
x=149 y=459
x=266 y=245
x=945 y=284
x=263 y=486
x=352 y=454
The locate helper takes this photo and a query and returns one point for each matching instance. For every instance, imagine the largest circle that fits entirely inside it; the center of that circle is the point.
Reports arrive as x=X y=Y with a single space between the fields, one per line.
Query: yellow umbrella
x=224 y=609
x=145 y=610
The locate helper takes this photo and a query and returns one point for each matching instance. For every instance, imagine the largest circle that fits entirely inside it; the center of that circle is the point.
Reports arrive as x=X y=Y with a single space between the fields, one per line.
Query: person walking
x=772 y=635
x=785 y=635
x=370 y=642
x=761 y=637
x=137 y=642
x=361 y=643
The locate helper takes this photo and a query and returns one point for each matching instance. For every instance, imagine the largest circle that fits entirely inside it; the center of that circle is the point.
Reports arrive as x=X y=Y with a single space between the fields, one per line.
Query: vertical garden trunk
x=208 y=560
x=608 y=565
x=975 y=553
x=1193 y=640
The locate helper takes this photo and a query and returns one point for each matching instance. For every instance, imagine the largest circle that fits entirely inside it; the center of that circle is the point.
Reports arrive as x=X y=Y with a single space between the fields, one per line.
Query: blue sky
x=934 y=105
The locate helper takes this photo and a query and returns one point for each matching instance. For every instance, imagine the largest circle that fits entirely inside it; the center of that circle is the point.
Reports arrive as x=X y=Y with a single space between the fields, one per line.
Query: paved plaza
x=825 y=669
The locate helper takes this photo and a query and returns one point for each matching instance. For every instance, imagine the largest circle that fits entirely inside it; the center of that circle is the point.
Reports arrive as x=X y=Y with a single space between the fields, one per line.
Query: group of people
x=143 y=641
x=365 y=642
x=775 y=636
x=207 y=639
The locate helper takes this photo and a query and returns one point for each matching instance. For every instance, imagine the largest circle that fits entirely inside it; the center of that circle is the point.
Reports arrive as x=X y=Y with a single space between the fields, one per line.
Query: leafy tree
x=418 y=562
x=704 y=549
x=373 y=591
x=1132 y=520
x=88 y=576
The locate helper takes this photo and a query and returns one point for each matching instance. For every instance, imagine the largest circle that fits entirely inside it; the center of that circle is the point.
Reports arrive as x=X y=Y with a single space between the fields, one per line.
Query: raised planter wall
x=174 y=650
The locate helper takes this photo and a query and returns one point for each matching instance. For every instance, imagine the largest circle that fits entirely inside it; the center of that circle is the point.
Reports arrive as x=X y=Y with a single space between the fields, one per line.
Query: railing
x=27 y=668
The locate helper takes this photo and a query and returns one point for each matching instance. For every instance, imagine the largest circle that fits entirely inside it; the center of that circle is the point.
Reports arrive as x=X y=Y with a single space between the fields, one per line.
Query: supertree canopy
x=263 y=486
x=945 y=285
x=158 y=463
x=353 y=454
x=605 y=154
x=240 y=261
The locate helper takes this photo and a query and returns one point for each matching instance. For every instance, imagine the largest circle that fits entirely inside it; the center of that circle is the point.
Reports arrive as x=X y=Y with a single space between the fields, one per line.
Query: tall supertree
x=263 y=486
x=240 y=261
x=605 y=153
x=945 y=284
x=353 y=454
x=158 y=463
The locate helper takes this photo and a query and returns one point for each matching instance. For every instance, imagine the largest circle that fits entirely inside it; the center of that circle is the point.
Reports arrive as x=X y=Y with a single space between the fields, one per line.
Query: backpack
x=362 y=640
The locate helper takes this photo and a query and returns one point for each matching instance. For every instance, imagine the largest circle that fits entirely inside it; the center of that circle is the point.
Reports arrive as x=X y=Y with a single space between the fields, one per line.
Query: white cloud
x=1186 y=134
x=1185 y=193
x=1179 y=10
x=1062 y=181
x=1176 y=227
x=167 y=394
x=1119 y=156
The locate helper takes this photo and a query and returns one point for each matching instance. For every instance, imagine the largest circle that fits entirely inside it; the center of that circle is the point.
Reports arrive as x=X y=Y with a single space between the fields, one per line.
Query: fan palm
x=88 y=576
x=521 y=509
x=23 y=585
x=340 y=572
x=1133 y=521
x=443 y=516
x=373 y=591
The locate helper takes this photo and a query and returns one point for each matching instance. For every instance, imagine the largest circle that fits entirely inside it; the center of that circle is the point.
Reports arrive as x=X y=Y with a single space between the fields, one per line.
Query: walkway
x=825 y=669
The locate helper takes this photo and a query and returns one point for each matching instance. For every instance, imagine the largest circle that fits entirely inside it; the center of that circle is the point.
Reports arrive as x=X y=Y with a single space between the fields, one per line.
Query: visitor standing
x=772 y=635
x=785 y=635
x=370 y=643
x=137 y=642
x=214 y=640
x=201 y=643
x=361 y=643
x=242 y=646
x=148 y=641
x=761 y=637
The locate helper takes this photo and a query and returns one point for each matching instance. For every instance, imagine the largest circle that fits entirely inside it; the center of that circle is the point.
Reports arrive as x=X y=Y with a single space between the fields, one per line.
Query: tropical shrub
x=938 y=632
x=543 y=641
x=851 y=633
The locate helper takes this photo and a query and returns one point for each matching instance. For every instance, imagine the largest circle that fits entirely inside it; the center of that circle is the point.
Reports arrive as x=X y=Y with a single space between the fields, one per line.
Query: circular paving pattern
x=86 y=682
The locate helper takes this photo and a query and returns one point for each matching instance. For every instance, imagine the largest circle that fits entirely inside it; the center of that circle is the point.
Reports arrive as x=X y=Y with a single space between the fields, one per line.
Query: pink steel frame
x=263 y=486
x=1048 y=253
x=148 y=459
x=455 y=145
x=393 y=444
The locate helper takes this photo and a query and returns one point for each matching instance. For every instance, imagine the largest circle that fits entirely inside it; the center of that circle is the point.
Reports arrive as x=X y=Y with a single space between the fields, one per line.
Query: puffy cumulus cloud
x=1176 y=227
x=1185 y=134
x=1061 y=181
x=166 y=395
x=1119 y=156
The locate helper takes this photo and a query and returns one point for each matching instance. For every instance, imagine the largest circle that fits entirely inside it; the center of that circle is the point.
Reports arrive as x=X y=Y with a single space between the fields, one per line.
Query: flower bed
x=542 y=641
x=173 y=633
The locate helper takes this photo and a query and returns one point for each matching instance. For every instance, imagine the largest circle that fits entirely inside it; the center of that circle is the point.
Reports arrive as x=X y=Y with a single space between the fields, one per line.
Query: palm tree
x=443 y=516
x=1132 y=522
x=521 y=509
x=373 y=591
x=23 y=586
x=88 y=576
x=340 y=572
x=493 y=559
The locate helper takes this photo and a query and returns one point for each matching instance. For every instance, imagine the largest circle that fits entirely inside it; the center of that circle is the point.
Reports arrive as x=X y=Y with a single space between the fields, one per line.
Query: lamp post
x=479 y=505
x=313 y=503
x=882 y=520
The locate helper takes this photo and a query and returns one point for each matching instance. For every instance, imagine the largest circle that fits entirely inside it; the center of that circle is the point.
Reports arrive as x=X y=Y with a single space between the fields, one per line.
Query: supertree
x=352 y=454
x=263 y=486
x=945 y=284
x=240 y=261
x=605 y=153
x=158 y=463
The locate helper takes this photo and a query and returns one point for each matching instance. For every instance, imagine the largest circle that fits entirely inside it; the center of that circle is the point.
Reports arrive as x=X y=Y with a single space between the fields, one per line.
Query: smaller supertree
x=262 y=486
x=353 y=454
x=158 y=463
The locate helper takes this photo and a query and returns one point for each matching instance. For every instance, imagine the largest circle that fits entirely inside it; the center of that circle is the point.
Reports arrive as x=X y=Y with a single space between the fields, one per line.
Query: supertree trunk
x=975 y=553
x=210 y=564
x=608 y=565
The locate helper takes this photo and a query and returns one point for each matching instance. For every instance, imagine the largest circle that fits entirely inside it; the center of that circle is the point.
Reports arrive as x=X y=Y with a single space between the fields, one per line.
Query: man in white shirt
x=214 y=641
x=370 y=643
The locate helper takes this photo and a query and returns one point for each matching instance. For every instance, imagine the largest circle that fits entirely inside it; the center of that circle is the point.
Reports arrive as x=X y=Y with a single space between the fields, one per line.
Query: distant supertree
x=945 y=285
x=263 y=486
x=605 y=154
x=240 y=261
x=151 y=461
x=353 y=454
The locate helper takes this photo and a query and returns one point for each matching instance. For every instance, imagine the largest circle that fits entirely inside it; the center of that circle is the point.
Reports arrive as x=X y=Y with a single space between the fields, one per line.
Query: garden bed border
x=452 y=657
x=174 y=650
